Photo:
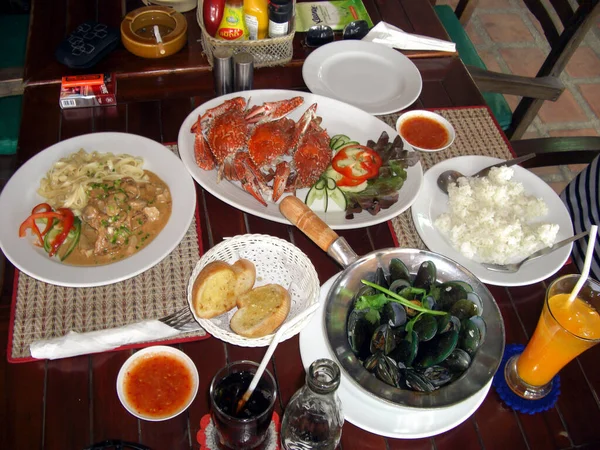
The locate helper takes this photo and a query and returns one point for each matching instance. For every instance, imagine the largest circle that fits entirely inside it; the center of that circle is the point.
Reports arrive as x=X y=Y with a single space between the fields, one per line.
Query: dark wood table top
x=72 y=403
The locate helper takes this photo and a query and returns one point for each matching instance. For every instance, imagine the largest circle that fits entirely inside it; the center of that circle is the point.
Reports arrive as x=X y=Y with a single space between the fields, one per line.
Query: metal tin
x=243 y=64
x=223 y=70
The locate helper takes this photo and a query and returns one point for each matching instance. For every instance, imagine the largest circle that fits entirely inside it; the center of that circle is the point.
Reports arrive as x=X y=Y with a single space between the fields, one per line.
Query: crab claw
x=238 y=103
x=248 y=177
x=203 y=155
x=272 y=110
x=309 y=115
x=282 y=174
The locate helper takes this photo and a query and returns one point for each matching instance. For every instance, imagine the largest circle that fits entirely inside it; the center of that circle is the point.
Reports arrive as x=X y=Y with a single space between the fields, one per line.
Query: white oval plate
x=431 y=202
x=19 y=196
x=338 y=118
x=149 y=352
x=372 y=77
x=374 y=415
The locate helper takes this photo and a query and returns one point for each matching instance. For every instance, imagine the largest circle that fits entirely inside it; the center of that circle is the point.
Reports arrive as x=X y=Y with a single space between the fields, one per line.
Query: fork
x=512 y=268
x=181 y=320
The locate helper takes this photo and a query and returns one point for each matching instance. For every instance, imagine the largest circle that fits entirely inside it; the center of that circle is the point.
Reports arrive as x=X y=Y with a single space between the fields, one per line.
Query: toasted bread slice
x=218 y=286
x=245 y=272
x=261 y=311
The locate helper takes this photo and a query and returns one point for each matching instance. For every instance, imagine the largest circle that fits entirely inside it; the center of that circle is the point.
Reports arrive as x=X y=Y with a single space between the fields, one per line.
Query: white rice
x=490 y=219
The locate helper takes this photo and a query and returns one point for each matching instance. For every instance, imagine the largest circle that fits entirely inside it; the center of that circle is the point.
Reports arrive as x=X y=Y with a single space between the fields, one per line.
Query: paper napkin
x=386 y=34
x=73 y=343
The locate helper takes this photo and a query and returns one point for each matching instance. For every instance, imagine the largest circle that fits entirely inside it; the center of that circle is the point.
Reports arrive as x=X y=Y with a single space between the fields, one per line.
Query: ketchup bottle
x=212 y=14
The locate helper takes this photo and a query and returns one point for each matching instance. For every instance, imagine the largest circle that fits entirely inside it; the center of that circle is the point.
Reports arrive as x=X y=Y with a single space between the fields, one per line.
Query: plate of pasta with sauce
x=95 y=209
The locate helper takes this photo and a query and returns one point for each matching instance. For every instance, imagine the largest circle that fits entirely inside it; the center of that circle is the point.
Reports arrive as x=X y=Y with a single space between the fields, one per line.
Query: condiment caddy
x=249 y=21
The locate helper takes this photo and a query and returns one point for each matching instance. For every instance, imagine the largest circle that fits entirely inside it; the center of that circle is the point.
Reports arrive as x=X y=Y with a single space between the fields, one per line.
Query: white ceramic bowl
x=430 y=115
x=149 y=352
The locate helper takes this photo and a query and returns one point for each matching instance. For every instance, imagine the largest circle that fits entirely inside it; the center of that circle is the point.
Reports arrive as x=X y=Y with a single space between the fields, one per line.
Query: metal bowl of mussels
x=435 y=351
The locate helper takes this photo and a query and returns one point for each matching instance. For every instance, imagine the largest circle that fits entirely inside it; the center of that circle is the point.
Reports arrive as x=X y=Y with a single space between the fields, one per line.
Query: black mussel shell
x=437 y=375
x=426 y=327
x=443 y=323
x=393 y=314
x=387 y=371
x=416 y=381
x=365 y=290
x=449 y=293
x=383 y=340
x=398 y=271
x=470 y=337
x=463 y=309
x=399 y=285
x=406 y=349
x=436 y=350
x=380 y=278
x=370 y=363
x=426 y=276
x=458 y=361
x=360 y=331
x=429 y=302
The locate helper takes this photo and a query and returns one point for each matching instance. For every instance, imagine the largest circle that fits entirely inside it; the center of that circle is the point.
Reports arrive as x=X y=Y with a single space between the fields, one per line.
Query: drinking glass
x=247 y=430
x=565 y=330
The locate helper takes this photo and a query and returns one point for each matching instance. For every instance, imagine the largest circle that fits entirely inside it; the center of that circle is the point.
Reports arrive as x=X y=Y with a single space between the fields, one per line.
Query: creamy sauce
x=121 y=218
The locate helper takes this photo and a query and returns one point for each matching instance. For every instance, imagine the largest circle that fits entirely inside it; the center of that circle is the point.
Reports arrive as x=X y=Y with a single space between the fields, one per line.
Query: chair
x=546 y=84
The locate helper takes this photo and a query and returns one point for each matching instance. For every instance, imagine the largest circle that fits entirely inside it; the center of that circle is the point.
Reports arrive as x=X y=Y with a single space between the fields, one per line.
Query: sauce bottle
x=280 y=16
x=212 y=14
x=256 y=15
x=233 y=27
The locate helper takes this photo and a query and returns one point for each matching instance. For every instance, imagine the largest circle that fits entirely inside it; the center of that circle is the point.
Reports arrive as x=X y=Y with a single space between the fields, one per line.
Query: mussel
x=417 y=349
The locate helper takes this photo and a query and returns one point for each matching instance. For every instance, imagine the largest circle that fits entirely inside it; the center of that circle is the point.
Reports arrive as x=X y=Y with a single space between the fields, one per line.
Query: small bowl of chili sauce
x=425 y=131
x=157 y=383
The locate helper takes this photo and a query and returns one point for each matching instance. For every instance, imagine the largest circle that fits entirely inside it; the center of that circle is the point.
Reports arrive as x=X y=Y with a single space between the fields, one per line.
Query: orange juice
x=565 y=330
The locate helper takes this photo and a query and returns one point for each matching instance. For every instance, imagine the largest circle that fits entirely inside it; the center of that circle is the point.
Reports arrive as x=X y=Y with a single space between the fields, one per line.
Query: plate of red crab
x=252 y=148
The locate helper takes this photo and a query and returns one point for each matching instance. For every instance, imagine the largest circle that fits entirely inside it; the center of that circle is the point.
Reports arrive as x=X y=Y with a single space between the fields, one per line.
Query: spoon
x=512 y=268
x=272 y=346
x=450 y=176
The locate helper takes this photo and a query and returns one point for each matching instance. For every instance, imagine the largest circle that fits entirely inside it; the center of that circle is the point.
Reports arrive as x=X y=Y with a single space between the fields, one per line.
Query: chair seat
x=468 y=54
x=13 y=42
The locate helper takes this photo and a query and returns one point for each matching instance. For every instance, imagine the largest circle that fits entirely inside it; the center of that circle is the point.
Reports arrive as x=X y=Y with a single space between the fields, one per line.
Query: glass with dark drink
x=247 y=429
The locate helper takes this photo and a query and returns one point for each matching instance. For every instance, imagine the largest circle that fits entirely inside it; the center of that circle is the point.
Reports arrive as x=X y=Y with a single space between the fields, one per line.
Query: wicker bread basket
x=266 y=52
x=276 y=261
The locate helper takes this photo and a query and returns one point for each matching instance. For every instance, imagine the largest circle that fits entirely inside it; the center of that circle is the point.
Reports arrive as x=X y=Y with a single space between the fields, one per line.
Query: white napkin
x=73 y=343
x=386 y=34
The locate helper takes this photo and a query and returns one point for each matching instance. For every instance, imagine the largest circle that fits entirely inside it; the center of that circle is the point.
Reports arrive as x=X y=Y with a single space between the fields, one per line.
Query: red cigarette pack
x=80 y=91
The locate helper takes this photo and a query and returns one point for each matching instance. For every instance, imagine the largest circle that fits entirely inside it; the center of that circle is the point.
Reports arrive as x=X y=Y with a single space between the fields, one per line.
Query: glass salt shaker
x=313 y=417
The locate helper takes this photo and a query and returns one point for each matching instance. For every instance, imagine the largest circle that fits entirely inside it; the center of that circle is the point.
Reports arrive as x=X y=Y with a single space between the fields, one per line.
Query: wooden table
x=72 y=403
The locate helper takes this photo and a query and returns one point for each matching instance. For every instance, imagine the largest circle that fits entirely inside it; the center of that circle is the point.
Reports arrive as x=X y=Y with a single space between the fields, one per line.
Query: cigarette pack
x=80 y=91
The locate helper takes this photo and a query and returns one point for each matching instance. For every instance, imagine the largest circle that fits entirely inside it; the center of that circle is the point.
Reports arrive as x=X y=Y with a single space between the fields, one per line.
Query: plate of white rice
x=501 y=218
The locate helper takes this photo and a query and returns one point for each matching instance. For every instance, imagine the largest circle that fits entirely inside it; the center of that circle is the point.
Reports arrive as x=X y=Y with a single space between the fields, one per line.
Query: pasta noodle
x=67 y=182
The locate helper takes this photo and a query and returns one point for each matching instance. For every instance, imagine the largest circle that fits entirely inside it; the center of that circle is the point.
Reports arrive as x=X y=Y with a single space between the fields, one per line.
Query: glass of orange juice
x=565 y=330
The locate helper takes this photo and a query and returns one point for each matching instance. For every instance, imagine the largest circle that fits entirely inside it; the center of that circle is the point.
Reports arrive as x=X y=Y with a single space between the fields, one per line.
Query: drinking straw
x=586 y=264
x=272 y=346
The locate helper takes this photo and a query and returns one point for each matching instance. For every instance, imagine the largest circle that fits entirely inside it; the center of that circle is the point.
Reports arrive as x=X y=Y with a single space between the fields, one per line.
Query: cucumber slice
x=331 y=185
x=339 y=198
x=338 y=141
x=350 y=143
x=321 y=184
x=72 y=240
x=314 y=194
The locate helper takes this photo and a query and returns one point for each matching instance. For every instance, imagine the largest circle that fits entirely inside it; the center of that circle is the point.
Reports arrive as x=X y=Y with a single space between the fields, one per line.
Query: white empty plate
x=372 y=77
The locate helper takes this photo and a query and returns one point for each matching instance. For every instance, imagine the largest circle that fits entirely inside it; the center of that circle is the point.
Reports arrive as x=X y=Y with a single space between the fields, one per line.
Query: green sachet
x=336 y=14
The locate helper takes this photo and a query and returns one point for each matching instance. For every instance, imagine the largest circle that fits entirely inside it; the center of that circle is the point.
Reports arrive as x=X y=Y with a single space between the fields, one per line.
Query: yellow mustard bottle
x=233 y=27
x=256 y=15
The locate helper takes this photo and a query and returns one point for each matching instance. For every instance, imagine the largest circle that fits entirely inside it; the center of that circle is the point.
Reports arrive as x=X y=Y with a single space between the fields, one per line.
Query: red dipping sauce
x=425 y=133
x=158 y=385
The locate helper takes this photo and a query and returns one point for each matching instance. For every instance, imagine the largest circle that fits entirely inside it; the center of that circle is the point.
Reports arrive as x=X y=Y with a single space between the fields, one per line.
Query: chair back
x=564 y=28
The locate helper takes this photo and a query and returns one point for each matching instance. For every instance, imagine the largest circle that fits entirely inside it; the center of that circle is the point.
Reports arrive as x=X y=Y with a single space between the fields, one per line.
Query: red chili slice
x=357 y=162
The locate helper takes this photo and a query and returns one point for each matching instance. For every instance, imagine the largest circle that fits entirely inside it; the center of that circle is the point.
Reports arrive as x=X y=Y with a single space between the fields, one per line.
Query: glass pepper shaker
x=313 y=417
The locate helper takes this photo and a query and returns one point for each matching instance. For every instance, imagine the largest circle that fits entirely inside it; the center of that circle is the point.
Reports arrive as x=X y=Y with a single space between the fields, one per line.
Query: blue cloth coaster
x=513 y=400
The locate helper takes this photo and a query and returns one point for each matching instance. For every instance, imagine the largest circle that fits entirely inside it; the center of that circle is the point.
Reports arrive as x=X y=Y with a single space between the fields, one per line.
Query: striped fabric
x=582 y=198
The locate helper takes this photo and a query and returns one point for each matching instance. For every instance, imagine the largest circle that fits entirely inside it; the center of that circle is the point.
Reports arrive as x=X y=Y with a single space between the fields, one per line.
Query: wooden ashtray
x=138 y=31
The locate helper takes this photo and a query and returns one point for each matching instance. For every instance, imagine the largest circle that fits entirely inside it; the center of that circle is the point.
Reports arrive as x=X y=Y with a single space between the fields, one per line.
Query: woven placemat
x=44 y=311
x=477 y=133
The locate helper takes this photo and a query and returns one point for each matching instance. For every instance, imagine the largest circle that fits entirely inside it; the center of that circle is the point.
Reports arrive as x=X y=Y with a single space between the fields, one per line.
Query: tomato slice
x=345 y=181
x=357 y=162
